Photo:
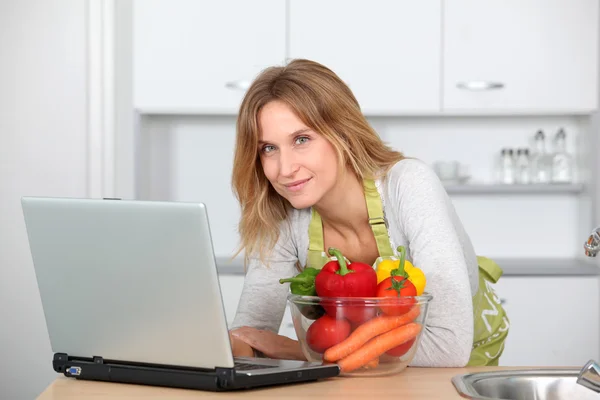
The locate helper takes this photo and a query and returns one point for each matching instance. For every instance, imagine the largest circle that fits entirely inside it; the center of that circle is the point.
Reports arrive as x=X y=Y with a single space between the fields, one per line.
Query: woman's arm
x=263 y=302
x=440 y=247
x=263 y=299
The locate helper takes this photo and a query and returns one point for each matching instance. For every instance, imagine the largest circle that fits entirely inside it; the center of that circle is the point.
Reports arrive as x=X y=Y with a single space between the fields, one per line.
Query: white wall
x=42 y=152
x=189 y=158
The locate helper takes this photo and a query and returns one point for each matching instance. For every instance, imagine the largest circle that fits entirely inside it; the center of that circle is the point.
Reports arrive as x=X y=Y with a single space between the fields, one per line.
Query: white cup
x=449 y=170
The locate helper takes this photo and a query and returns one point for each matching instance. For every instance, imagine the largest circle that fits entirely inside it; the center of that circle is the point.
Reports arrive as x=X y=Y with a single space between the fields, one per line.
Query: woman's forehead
x=277 y=119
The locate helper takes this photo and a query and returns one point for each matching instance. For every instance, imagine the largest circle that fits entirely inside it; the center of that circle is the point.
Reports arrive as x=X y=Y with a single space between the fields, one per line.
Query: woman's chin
x=300 y=202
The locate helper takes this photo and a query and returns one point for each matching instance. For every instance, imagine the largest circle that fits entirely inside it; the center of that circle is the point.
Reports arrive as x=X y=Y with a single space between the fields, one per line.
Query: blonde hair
x=327 y=106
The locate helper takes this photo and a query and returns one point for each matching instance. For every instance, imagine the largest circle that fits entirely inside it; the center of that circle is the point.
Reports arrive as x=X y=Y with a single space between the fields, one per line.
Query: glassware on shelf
x=562 y=161
x=541 y=162
x=523 y=167
x=507 y=166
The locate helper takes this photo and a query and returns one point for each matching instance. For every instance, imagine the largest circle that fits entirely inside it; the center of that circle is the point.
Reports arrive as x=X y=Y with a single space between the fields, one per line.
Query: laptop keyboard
x=241 y=366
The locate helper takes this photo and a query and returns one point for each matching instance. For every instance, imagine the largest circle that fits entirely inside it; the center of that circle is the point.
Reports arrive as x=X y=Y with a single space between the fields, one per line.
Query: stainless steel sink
x=542 y=384
x=536 y=384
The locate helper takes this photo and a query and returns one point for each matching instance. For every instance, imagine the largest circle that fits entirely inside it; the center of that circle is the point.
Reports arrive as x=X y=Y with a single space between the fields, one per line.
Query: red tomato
x=370 y=313
x=401 y=349
x=326 y=332
x=399 y=288
x=356 y=314
x=354 y=310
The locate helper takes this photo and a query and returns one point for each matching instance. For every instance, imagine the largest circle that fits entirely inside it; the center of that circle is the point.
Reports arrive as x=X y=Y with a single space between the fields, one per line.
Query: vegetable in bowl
x=365 y=327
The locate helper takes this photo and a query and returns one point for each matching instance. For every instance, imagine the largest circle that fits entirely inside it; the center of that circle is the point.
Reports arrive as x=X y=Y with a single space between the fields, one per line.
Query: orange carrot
x=367 y=331
x=373 y=363
x=378 y=346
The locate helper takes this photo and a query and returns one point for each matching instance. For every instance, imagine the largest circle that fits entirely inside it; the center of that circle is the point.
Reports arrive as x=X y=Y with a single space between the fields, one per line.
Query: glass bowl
x=365 y=336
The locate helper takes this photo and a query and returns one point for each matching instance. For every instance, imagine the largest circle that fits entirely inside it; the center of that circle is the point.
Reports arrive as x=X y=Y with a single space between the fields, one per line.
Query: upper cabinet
x=427 y=57
x=520 y=56
x=198 y=56
x=387 y=51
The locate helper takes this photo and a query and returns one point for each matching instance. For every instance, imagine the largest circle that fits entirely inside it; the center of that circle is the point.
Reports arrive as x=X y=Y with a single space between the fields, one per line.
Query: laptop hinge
x=98 y=360
x=59 y=360
x=225 y=376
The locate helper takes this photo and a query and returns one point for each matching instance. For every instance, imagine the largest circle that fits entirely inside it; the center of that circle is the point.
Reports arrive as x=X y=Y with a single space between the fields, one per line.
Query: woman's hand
x=270 y=344
x=239 y=348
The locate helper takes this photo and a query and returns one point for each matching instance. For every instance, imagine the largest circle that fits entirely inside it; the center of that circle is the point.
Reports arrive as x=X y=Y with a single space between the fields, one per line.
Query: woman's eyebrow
x=299 y=131
x=296 y=132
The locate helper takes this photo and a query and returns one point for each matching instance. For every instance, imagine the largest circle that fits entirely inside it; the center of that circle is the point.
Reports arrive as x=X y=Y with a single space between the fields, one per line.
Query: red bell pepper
x=338 y=279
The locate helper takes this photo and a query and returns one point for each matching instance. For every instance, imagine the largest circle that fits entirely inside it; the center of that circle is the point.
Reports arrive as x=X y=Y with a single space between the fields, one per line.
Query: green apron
x=490 y=320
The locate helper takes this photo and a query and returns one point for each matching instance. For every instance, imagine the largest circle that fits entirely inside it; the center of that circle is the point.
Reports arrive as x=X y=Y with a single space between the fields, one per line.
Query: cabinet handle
x=238 y=85
x=480 y=85
x=290 y=325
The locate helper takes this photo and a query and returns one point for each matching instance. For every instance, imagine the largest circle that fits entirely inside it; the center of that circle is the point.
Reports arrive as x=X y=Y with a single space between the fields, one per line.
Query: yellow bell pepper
x=415 y=275
x=384 y=268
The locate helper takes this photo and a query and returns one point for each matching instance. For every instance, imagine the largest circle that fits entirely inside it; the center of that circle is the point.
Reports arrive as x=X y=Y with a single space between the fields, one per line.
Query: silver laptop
x=130 y=292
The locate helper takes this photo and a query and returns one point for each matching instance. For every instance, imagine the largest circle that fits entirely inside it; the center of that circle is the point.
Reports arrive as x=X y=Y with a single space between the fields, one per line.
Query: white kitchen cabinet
x=387 y=51
x=187 y=52
x=554 y=320
x=429 y=57
x=520 y=56
x=231 y=291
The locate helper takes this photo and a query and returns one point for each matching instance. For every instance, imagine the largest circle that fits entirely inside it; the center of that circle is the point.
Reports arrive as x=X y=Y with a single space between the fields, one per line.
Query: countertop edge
x=511 y=267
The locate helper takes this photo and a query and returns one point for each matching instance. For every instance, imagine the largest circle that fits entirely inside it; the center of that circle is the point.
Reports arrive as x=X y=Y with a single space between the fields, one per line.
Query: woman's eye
x=268 y=148
x=302 y=140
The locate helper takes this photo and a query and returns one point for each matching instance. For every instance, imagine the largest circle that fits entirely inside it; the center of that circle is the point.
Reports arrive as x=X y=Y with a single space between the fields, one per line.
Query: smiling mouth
x=295 y=186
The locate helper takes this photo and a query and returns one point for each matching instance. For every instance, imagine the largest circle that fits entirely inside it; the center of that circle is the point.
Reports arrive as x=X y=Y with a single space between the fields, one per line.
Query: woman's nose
x=288 y=164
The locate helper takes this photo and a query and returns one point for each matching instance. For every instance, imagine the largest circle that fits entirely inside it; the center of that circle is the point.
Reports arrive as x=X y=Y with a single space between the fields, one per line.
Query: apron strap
x=317 y=256
x=376 y=219
x=492 y=271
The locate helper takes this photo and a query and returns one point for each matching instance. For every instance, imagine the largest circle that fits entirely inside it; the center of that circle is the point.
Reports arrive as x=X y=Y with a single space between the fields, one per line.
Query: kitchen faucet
x=592 y=245
x=589 y=376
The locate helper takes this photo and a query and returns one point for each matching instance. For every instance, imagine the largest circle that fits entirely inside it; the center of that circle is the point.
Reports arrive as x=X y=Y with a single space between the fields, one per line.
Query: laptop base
x=219 y=379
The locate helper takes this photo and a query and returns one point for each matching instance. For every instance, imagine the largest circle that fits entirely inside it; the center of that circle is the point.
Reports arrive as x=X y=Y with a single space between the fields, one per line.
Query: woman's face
x=301 y=164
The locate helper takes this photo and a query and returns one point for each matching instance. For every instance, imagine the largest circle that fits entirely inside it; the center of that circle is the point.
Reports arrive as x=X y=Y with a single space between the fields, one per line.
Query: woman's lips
x=297 y=185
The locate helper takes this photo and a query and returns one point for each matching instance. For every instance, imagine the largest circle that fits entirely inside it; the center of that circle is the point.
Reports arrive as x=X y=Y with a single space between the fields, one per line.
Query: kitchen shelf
x=484 y=188
x=580 y=266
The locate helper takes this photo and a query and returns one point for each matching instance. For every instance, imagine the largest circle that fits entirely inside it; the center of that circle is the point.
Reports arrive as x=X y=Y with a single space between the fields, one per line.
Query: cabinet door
x=554 y=321
x=387 y=51
x=520 y=55
x=186 y=53
x=231 y=291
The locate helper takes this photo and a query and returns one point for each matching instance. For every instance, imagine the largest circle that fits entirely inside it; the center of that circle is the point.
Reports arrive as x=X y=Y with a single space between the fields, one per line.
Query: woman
x=305 y=159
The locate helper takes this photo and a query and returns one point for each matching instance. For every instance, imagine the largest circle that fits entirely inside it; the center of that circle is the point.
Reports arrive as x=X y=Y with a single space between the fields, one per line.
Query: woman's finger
x=264 y=341
x=240 y=348
x=270 y=344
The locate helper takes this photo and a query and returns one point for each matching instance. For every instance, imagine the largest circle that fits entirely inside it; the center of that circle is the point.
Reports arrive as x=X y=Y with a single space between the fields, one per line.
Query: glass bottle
x=541 y=161
x=507 y=166
x=523 y=175
x=562 y=162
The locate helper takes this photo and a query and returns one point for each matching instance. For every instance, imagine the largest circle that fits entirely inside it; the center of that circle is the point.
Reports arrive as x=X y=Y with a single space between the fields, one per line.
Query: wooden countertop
x=411 y=384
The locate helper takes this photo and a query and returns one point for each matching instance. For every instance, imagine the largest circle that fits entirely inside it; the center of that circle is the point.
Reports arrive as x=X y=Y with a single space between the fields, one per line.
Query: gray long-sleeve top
x=421 y=217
